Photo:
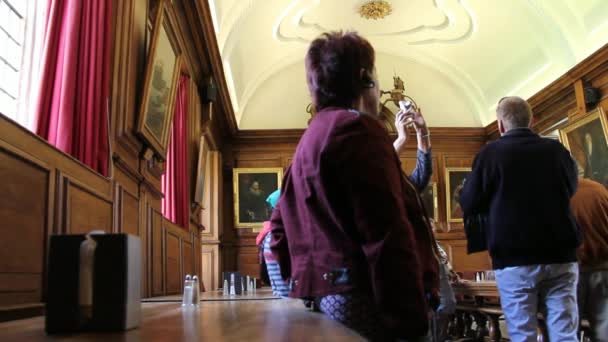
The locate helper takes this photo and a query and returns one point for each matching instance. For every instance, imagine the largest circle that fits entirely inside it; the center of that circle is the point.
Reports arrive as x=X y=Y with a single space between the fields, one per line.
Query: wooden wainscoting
x=212 y=221
x=45 y=191
x=179 y=256
x=26 y=207
x=463 y=262
x=157 y=252
x=81 y=208
x=173 y=265
x=209 y=266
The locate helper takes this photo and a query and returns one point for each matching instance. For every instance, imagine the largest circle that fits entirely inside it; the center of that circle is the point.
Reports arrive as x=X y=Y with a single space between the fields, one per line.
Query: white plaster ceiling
x=456 y=57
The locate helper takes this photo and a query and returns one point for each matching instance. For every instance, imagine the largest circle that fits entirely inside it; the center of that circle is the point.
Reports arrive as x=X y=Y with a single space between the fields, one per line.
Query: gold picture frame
x=250 y=207
x=160 y=84
x=430 y=200
x=454 y=181
x=587 y=141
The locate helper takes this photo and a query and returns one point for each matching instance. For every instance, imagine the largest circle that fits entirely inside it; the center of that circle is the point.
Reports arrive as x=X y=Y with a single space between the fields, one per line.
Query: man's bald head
x=514 y=112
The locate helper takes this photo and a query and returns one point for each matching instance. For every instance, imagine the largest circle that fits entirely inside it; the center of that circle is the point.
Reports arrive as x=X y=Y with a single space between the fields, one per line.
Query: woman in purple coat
x=349 y=229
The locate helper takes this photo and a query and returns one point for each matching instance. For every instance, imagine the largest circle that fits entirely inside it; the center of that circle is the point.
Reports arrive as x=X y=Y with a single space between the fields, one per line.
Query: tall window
x=22 y=26
x=12 y=36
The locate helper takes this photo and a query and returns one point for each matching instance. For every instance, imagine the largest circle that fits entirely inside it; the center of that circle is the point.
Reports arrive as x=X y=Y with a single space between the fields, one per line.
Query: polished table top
x=217 y=319
x=476 y=288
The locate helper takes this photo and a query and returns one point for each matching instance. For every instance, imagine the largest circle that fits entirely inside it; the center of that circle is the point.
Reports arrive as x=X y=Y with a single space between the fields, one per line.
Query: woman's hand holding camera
x=408 y=116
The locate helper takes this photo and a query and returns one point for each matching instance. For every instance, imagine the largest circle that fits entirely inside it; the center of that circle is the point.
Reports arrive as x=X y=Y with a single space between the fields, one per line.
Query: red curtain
x=175 y=180
x=71 y=110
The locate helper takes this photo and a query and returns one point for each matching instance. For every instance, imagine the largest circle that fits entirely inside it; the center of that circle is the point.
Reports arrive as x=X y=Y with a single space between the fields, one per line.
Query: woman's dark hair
x=333 y=69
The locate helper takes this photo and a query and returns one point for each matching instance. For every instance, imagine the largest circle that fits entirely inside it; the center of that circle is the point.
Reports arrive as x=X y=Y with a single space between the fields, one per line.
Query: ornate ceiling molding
x=231 y=25
x=442 y=21
x=559 y=37
x=461 y=80
x=433 y=34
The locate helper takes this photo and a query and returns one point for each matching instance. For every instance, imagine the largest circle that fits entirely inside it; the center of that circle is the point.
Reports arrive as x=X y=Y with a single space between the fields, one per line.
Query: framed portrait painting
x=160 y=84
x=455 y=177
x=429 y=200
x=251 y=188
x=587 y=141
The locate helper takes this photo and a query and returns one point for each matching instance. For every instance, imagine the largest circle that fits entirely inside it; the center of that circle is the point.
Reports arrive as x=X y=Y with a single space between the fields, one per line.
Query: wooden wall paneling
x=128 y=66
x=599 y=79
x=287 y=161
x=462 y=160
x=212 y=222
x=247 y=256
x=579 y=93
x=555 y=109
x=562 y=91
x=463 y=262
x=130 y=218
x=185 y=38
x=173 y=272
x=228 y=236
x=129 y=214
x=175 y=257
x=157 y=252
x=26 y=211
x=254 y=159
x=83 y=208
x=197 y=257
x=227 y=255
x=211 y=187
x=209 y=266
x=20 y=139
x=198 y=14
x=212 y=198
x=408 y=164
x=188 y=259
x=221 y=222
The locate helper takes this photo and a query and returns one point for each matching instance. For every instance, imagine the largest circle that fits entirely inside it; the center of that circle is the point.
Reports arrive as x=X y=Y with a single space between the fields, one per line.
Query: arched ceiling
x=456 y=57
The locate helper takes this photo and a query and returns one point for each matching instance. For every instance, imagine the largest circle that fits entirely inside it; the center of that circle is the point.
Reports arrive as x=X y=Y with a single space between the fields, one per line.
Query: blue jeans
x=593 y=302
x=551 y=289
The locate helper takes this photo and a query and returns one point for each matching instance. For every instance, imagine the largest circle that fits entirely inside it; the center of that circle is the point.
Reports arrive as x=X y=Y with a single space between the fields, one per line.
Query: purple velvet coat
x=348 y=220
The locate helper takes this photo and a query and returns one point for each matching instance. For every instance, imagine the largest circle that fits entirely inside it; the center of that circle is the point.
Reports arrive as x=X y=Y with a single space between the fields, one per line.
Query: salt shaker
x=226 y=289
x=196 y=292
x=187 y=297
x=232 y=285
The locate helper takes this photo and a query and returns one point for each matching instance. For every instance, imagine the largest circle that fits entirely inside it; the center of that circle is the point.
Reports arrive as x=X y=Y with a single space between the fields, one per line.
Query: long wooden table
x=481 y=301
x=217 y=319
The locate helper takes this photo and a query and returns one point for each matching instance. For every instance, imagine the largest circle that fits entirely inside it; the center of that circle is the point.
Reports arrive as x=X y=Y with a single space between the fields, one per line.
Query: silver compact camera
x=406 y=105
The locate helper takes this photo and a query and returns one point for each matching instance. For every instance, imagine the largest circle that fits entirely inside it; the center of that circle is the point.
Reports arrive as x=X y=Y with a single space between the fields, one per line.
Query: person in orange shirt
x=590 y=208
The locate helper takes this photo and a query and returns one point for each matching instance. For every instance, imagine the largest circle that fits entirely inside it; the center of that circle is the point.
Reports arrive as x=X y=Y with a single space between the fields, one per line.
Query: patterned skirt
x=355 y=311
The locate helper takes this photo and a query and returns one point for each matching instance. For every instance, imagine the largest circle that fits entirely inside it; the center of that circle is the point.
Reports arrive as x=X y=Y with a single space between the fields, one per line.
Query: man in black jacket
x=523 y=183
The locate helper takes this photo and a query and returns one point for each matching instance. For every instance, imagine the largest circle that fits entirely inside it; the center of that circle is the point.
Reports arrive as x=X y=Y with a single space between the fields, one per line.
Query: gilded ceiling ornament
x=375 y=9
